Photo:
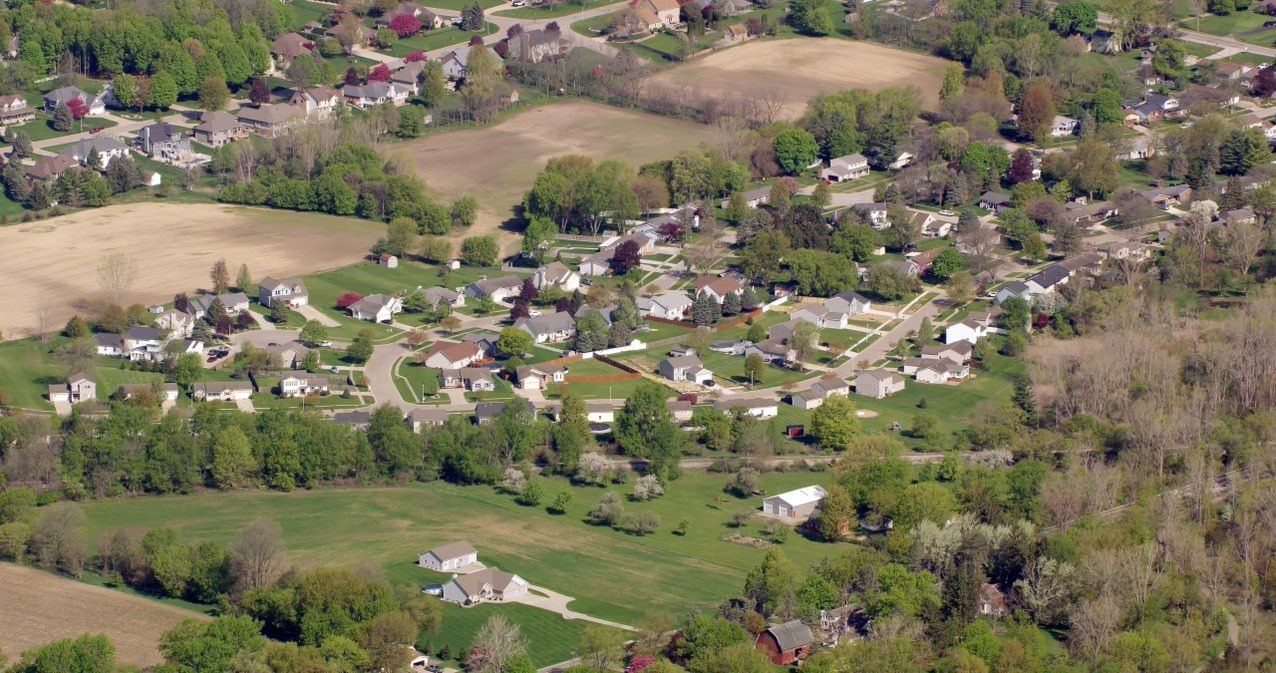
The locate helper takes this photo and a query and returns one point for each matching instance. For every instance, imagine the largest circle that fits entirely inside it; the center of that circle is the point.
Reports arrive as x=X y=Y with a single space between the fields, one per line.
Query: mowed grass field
x=54 y=263
x=792 y=71
x=497 y=164
x=37 y=608
x=604 y=569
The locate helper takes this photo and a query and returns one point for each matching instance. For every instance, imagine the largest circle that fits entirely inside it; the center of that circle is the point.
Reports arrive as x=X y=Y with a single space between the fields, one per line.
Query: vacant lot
x=792 y=71
x=498 y=163
x=53 y=263
x=40 y=608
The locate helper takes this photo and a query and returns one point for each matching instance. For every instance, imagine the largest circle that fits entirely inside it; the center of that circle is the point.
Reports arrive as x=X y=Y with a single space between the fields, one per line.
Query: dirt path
x=37 y=608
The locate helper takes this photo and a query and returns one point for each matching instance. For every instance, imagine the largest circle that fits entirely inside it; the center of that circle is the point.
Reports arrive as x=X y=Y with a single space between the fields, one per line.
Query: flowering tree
x=639 y=662
x=348 y=299
x=405 y=25
x=381 y=73
x=415 y=56
x=79 y=109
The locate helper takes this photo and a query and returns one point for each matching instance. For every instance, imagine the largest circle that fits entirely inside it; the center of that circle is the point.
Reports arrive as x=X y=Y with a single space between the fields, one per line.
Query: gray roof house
x=495 y=289
x=549 y=328
x=108 y=149
x=685 y=368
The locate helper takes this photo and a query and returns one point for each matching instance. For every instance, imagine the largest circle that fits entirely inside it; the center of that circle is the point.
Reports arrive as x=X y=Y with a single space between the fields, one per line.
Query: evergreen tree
x=704 y=310
x=1023 y=399
x=62 y=118
x=731 y=305
x=749 y=299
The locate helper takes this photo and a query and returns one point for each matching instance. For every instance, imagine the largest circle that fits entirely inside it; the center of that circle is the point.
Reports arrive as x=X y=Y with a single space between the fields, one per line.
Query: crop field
x=41 y=607
x=793 y=71
x=54 y=263
x=497 y=164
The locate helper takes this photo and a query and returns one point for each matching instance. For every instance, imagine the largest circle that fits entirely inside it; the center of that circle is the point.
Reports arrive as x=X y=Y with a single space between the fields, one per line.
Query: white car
x=533 y=313
x=518 y=3
x=325 y=344
x=946 y=213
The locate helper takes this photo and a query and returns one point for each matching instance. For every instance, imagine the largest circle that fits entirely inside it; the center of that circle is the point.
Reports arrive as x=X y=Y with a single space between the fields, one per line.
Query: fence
x=610 y=378
x=617 y=364
x=738 y=320
x=675 y=323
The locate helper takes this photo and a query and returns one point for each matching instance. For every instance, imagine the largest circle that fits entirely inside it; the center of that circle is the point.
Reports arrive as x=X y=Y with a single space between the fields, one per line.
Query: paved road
x=1225 y=43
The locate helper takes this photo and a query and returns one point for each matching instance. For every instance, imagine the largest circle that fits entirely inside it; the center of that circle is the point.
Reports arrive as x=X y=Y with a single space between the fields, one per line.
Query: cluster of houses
x=471 y=581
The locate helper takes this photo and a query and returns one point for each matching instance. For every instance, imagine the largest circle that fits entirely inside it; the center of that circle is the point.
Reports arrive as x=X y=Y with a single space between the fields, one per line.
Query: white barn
x=449 y=556
x=796 y=505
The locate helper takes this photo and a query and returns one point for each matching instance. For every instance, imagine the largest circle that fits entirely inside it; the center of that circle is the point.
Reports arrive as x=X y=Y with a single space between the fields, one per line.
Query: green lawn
x=10 y=211
x=552 y=11
x=27 y=370
x=411 y=376
x=436 y=39
x=502 y=392
x=1251 y=59
x=304 y=11
x=389 y=527
x=550 y=638
x=660 y=331
x=588 y=26
x=41 y=127
x=1229 y=24
x=731 y=368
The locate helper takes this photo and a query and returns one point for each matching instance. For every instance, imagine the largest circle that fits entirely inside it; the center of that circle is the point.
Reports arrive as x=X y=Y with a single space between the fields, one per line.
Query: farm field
x=794 y=70
x=388 y=527
x=498 y=163
x=41 y=607
x=57 y=259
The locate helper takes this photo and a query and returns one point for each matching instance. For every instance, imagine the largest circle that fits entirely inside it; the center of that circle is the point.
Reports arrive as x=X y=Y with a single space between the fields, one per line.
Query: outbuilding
x=449 y=557
x=796 y=505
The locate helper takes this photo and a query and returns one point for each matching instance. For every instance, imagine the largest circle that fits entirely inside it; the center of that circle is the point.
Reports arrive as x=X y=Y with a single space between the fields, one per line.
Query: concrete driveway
x=556 y=602
x=311 y=313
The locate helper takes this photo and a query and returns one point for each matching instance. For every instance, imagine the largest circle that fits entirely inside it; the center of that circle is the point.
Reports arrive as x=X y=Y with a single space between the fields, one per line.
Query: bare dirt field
x=40 y=608
x=796 y=70
x=55 y=262
x=498 y=163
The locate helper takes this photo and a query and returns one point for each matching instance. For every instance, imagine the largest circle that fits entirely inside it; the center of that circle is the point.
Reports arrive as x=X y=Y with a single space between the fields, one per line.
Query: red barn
x=785 y=643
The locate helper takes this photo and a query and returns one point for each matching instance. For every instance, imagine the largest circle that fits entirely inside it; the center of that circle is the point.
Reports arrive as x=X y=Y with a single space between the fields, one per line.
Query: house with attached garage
x=409 y=76
x=168 y=144
x=14 y=110
x=536 y=45
x=495 y=289
x=685 y=368
x=288 y=291
x=108 y=150
x=556 y=274
x=269 y=120
x=288 y=46
x=358 y=420
x=233 y=301
x=219 y=128
x=549 y=328
x=668 y=11
x=178 y=322
x=473 y=379
x=78 y=388
x=316 y=102
x=597 y=264
x=959 y=351
x=301 y=386
x=136 y=344
x=489 y=584
x=484 y=341
x=667 y=305
x=849 y=167
x=941 y=371
x=372 y=94
x=446 y=355
x=970 y=329
x=441 y=296
x=223 y=391
x=756 y=407
x=850 y=303
x=64 y=95
x=875 y=213
x=1048 y=279
x=718 y=288
x=538 y=377
x=449 y=557
x=878 y=383
x=821 y=316
x=290 y=355
x=167 y=393
x=796 y=505
x=377 y=308
x=774 y=349
x=754 y=197
x=813 y=397
x=994 y=201
x=785 y=644
x=420 y=418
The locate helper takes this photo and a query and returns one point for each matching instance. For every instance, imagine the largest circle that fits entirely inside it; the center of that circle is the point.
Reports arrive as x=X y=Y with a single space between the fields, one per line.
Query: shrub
x=608 y=511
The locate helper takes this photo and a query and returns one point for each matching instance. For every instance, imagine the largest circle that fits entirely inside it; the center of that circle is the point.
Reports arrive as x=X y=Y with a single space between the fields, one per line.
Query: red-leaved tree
x=352 y=76
x=1020 y=167
x=381 y=73
x=528 y=291
x=628 y=255
x=79 y=109
x=520 y=310
x=673 y=231
x=259 y=93
x=348 y=299
x=405 y=25
x=415 y=56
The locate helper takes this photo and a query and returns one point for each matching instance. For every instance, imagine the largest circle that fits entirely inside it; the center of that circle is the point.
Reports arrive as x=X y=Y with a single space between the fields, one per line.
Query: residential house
x=539 y=377
x=756 y=407
x=941 y=371
x=1152 y=107
x=681 y=410
x=994 y=201
x=473 y=379
x=667 y=305
x=290 y=355
x=420 y=418
x=796 y=505
x=495 y=289
x=597 y=264
x=167 y=393
x=14 y=110
x=908 y=267
x=957 y=351
x=875 y=213
x=878 y=383
x=1048 y=279
x=269 y=120
x=64 y=96
x=646 y=18
x=219 y=128
x=813 y=397
x=645 y=239
x=435 y=296
x=849 y=167
x=1063 y=126
x=356 y=420
x=301 y=386
x=556 y=274
x=449 y=557
x=1232 y=72
x=179 y=323
x=718 y=288
x=1239 y=216
x=486 y=412
x=774 y=349
x=843 y=622
x=222 y=391
x=234 y=302
x=377 y=308
x=291 y=292
x=488 y=584
x=668 y=11
x=548 y=328
x=484 y=341
x=786 y=643
x=850 y=303
x=970 y=329
x=166 y=143
x=108 y=149
x=454 y=63
x=1106 y=42
x=735 y=33
x=368 y=95
x=534 y=46
x=1089 y=214
x=78 y=388
x=600 y=412
x=317 y=101
x=137 y=343
x=819 y=315
x=754 y=197
x=685 y=368
x=1127 y=250
x=1147 y=74
x=1165 y=197
x=446 y=355
x=288 y=46
x=992 y=601
x=409 y=76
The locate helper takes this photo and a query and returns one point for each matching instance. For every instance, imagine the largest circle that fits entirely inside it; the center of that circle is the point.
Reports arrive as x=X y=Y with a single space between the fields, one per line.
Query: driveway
x=245 y=406
x=312 y=313
x=556 y=602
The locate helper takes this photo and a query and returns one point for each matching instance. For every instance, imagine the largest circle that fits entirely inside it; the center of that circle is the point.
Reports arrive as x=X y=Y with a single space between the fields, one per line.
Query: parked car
x=946 y=213
x=325 y=344
x=97 y=129
x=519 y=3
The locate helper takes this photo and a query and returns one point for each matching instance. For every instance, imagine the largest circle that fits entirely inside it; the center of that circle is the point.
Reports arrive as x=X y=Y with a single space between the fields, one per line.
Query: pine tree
x=749 y=299
x=731 y=305
x=62 y=118
x=1023 y=399
x=704 y=310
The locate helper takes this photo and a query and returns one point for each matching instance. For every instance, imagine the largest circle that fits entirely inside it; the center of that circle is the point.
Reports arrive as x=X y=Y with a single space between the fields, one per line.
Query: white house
x=453 y=355
x=755 y=407
x=233 y=301
x=218 y=391
x=556 y=274
x=290 y=291
x=1063 y=126
x=600 y=411
x=488 y=584
x=108 y=149
x=300 y=386
x=368 y=95
x=821 y=316
x=941 y=371
x=550 y=328
x=377 y=308
x=179 y=323
x=449 y=557
x=667 y=305
x=850 y=303
x=878 y=383
x=970 y=329
x=538 y=377
x=797 y=505
x=849 y=167
x=685 y=368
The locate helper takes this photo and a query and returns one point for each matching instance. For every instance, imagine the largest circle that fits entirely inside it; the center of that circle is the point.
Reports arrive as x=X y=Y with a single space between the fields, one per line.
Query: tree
x=62 y=118
x=1037 y=111
x=628 y=256
x=348 y=299
x=1092 y=168
x=232 y=458
x=188 y=370
x=795 y=149
x=379 y=73
x=313 y=333
x=644 y=428
x=163 y=90
x=600 y=646
x=244 y=280
x=22 y=145
x=1021 y=167
x=810 y=17
x=479 y=251
x=360 y=349
x=1075 y=17
x=213 y=94
x=465 y=211
x=1241 y=150
x=405 y=25
x=116 y=275
x=705 y=310
x=124 y=87
x=259 y=93
x=960 y=287
x=954 y=82
x=514 y=341
x=85 y=654
x=496 y=643
x=947 y=263
x=836 y=514
x=835 y=425
x=434 y=88
x=220 y=276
